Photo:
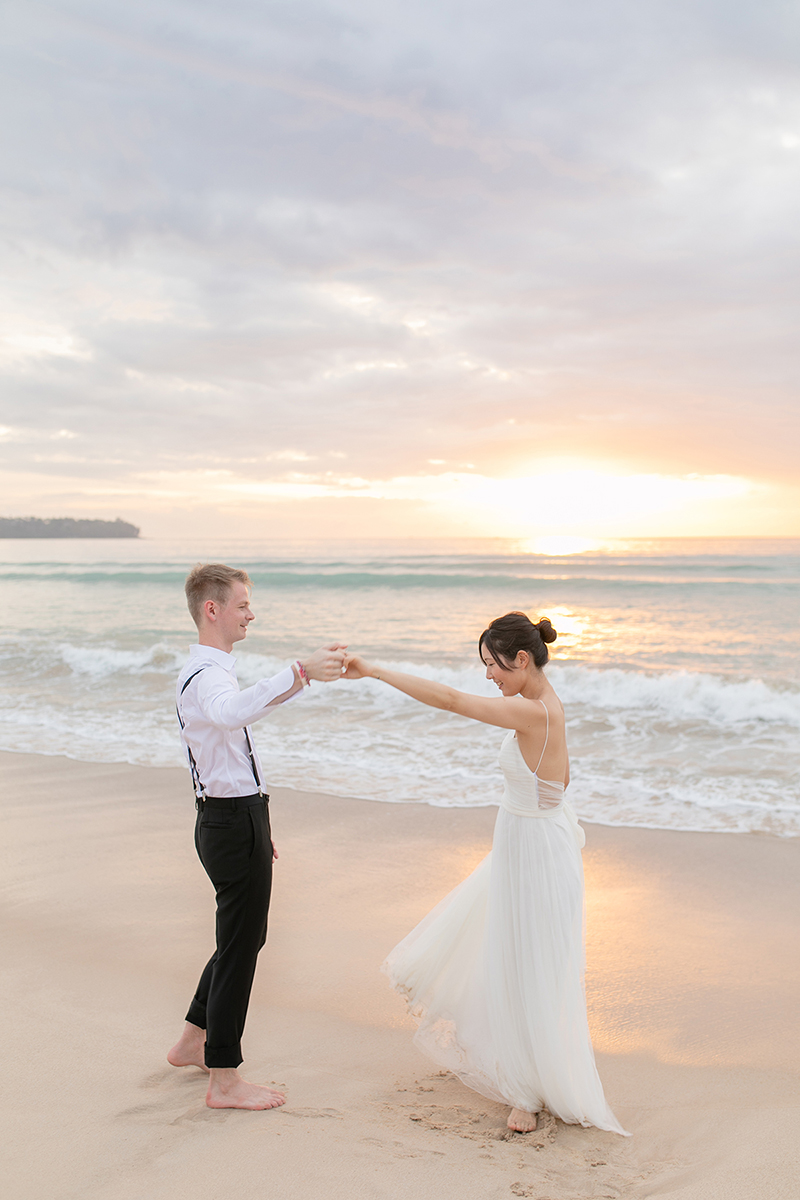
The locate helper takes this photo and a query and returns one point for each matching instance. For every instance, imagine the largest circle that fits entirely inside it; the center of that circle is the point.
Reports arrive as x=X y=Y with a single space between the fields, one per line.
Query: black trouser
x=235 y=847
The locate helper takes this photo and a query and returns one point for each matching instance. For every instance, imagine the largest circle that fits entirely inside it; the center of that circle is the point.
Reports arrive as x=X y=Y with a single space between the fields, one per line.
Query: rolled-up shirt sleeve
x=223 y=705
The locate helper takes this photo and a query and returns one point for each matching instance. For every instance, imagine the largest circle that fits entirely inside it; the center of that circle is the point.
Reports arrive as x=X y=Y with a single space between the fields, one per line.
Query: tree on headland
x=65 y=527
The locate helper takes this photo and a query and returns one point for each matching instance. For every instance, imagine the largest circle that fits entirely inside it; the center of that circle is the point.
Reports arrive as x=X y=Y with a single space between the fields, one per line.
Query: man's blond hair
x=211 y=581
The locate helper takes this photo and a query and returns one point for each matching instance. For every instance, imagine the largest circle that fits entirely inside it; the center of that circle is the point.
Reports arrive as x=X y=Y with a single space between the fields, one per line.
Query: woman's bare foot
x=227 y=1089
x=189 y=1050
x=521 y=1121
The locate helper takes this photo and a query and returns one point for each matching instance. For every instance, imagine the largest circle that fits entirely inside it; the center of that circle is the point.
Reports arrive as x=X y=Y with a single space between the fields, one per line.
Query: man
x=232 y=832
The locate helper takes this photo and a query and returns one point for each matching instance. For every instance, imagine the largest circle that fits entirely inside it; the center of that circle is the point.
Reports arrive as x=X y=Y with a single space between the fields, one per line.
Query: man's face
x=234 y=615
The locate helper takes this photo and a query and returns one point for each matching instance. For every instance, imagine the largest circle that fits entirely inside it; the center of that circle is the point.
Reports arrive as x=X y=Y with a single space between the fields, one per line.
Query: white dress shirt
x=215 y=712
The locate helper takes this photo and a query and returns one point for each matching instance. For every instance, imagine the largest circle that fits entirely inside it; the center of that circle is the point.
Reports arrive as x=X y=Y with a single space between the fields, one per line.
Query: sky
x=423 y=267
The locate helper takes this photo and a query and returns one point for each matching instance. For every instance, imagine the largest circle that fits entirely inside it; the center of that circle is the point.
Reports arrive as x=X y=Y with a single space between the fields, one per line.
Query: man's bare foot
x=227 y=1089
x=189 y=1050
x=521 y=1121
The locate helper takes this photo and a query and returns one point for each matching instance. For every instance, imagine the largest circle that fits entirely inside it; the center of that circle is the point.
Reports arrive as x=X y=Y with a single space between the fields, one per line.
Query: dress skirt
x=494 y=975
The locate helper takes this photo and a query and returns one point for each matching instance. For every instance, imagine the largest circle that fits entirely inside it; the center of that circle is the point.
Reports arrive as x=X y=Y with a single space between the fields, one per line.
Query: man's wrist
x=302 y=674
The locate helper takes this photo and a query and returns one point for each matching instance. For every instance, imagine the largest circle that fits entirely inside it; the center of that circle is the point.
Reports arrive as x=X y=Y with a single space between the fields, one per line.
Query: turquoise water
x=678 y=661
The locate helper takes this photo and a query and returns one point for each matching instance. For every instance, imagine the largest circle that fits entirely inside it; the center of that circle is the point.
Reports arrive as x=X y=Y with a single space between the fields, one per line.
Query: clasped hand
x=326 y=663
x=333 y=662
x=355 y=667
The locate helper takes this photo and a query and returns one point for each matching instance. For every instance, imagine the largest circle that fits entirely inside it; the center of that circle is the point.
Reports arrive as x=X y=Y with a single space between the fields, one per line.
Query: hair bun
x=507 y=635
x=546 y=631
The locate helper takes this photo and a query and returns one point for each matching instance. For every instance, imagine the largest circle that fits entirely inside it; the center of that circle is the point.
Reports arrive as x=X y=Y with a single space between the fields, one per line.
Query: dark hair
x=507 y=635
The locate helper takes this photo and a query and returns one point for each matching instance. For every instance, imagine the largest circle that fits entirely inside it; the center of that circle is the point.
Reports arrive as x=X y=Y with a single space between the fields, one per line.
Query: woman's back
x=543 y=749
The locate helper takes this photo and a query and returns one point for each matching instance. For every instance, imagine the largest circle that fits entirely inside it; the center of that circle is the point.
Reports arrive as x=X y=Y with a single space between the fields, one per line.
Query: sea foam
x=670 y=749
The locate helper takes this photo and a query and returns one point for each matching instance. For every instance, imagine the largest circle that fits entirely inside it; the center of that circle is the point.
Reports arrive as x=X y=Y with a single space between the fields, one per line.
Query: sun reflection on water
x=558 y=546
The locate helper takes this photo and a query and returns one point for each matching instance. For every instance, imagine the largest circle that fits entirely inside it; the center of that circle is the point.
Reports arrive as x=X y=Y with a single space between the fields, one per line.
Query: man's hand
x=326 y=663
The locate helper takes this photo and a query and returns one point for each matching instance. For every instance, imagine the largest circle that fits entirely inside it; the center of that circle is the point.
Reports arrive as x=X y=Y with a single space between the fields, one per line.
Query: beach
x=107 y=916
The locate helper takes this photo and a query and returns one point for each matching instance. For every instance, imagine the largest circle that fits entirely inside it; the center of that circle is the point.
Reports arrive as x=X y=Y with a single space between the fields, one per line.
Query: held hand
x=356 y=668
x=326 y=663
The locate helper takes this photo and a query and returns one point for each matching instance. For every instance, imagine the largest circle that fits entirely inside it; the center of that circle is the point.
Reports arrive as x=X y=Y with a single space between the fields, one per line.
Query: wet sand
x=106 y=916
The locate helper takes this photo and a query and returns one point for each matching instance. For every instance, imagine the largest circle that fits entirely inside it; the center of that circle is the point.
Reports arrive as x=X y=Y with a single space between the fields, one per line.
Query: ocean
x=678 y=662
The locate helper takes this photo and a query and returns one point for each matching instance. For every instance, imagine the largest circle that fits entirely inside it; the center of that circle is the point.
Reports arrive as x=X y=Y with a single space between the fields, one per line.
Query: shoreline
x=691 y=988
x=489 y=805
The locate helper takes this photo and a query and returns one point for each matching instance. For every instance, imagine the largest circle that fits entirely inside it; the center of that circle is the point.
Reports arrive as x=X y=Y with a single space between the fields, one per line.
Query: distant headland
x=65 y=527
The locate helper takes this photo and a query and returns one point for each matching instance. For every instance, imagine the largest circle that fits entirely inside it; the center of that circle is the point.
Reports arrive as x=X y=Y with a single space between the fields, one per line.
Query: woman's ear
x=522 y=660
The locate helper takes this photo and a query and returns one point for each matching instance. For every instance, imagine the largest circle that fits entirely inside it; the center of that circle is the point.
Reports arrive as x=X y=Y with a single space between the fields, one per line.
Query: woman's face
x=508 y=679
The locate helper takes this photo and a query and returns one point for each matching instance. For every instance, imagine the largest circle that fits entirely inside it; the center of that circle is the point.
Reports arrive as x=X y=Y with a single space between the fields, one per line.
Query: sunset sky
x=430 y=267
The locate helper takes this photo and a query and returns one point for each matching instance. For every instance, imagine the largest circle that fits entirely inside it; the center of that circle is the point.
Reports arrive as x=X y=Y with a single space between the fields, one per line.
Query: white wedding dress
x=494 y=974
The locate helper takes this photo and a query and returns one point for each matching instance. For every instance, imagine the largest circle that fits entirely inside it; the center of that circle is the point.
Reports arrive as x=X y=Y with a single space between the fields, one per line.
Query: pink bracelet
x=301 y=671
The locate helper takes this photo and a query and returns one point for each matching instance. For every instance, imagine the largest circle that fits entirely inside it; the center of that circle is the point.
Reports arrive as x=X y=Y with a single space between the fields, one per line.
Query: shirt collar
x=212 y=654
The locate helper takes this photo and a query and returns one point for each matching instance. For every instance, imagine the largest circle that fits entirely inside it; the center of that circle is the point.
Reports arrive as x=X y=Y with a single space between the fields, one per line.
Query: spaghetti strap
x=546 y=735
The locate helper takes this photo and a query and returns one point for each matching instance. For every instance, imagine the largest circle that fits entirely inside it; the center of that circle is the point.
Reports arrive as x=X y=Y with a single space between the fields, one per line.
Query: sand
x=107 y=918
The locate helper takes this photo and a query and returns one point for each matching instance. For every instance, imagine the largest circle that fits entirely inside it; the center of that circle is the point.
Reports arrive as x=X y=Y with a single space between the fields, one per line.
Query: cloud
x=382 y=235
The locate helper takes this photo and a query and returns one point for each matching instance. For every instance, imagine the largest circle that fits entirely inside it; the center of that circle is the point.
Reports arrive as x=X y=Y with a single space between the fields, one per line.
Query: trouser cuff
x=223 y=1056
x=196 y=1014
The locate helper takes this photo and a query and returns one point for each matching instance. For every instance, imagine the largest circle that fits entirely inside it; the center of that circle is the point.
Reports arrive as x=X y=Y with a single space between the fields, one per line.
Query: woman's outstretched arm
x=512 y=712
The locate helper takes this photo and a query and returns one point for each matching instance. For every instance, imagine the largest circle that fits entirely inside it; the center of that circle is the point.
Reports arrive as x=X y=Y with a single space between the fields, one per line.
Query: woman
x=494 y=974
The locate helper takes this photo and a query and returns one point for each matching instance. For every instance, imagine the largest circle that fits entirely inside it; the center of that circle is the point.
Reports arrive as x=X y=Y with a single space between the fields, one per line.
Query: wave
x=403 y=573
x=715 y=701
x=682 y=694
x=103 y=662
x=670 y=749
x=679 y=695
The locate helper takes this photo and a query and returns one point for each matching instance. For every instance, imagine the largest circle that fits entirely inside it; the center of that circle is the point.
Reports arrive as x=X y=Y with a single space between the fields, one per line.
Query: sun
x=565 y=509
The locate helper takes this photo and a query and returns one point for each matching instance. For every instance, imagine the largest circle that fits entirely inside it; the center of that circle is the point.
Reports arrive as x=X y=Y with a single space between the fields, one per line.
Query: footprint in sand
x=312 y=1113
x=480 y=1125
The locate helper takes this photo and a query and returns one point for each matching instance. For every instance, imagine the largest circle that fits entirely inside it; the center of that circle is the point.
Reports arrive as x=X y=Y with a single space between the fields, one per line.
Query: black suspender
x=199 y=790
x=197 y=785
x=252 y=759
